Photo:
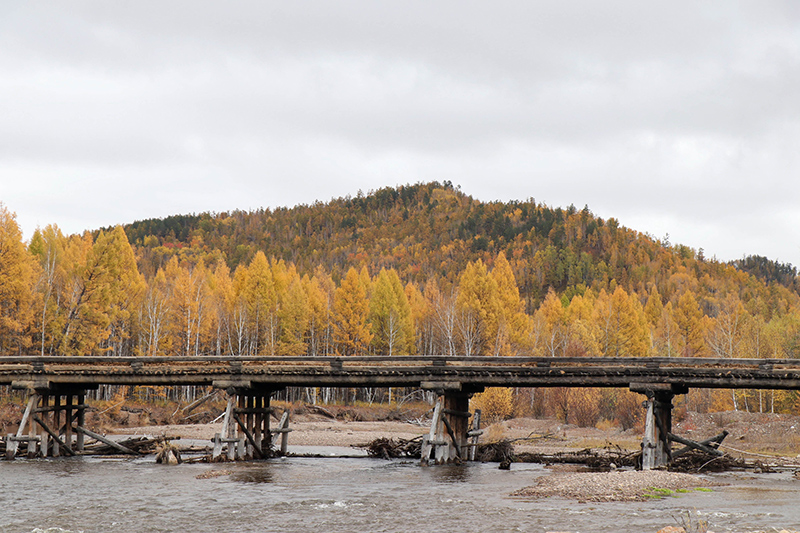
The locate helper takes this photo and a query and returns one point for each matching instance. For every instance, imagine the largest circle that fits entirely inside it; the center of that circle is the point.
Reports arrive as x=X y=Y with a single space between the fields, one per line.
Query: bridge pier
x=48 y=430
x=656 y=449
x=246 y=432
x=448 y=440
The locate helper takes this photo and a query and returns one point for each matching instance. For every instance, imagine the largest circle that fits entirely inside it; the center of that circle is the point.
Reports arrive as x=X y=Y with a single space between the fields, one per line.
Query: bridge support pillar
x=656 y=450
x=448 y=440
x=51 y=429
x=246 y=432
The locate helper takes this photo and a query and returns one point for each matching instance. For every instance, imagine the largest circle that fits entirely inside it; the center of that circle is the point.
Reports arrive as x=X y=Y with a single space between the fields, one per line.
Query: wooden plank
x=696 y=445
x=24 y=438
x=254 y=410
x=68 y=423
x=28 y=410
x=56 y=437
x=283 y=427
x=452 y=435
x=648 y=441
x=11 y=446
x=197 y=403
x=217 y=451
x=249 y=435
x=52 y=408
x=57 y=423
x=44 y=446
x=435 y=421
x=461 y=414
x=107 y=441
x=81 y=422
x=708 y=442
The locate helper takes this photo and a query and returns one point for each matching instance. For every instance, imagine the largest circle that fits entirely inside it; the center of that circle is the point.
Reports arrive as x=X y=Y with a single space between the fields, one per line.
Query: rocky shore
x=626 y=486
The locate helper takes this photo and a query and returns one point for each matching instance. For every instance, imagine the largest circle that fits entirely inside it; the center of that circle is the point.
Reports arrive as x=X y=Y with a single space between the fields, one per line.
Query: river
x=338 y=494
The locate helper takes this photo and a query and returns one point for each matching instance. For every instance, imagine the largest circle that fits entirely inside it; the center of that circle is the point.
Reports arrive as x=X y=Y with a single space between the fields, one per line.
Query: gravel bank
x=304 y=433
x=618 y=486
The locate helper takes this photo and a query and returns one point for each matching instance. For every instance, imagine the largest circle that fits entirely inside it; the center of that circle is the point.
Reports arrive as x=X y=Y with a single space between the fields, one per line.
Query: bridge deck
x=400 y=371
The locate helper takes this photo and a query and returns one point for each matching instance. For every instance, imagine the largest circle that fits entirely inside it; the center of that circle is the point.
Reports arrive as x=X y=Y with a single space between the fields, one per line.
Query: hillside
x=415 y=269
x=431 y=231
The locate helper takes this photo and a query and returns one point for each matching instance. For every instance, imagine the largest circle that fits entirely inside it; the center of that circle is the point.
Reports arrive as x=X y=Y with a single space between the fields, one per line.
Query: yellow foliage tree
x=16 y=284
x=390 y=315
x=691 y=325
x=550 y=322
x=622 y=331
x=294 y=316
x=495 y=403
x=513 y=325
x=477 y=307
x=351 y=329
x=93 y=288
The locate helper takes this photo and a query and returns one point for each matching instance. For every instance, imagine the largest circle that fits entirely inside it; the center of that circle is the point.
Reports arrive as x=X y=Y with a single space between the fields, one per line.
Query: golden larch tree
x=351 y=329
x=16 y=284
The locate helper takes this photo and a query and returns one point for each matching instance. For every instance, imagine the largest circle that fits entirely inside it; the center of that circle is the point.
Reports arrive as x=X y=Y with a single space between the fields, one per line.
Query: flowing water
x=336 y=494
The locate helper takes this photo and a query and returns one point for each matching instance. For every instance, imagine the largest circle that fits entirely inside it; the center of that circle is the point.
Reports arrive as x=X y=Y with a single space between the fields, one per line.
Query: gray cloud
x=679 y=118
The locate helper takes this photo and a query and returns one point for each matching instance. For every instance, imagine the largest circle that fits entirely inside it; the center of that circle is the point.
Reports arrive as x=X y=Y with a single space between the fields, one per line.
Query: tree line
x=416 y=270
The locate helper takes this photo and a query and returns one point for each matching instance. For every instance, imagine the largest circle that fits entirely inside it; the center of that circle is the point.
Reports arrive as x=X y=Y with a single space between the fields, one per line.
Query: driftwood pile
x=133 y=446
x=496 y=452
x=139 y=445
x=696 y=461
x=394 y=448
x=694 y=458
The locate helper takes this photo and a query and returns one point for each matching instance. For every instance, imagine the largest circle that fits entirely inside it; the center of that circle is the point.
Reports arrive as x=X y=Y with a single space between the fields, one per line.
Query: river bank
x=770 y=437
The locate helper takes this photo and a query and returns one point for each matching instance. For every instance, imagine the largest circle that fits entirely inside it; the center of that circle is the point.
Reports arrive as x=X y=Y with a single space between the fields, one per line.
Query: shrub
x=496 y=403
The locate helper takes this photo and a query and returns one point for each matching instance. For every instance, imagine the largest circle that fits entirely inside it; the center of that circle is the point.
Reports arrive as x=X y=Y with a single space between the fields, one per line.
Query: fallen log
x=107 y=441
x=320 y=411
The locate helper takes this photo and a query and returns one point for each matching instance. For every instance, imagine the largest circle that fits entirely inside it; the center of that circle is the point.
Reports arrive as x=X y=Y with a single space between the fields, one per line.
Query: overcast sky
x=679 y=118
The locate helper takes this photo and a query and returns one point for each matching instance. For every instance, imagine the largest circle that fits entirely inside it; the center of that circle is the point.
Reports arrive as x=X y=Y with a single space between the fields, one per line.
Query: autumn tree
x=351 y=328
x=47 y=247
x=188 y=301
x=153 y=311
x=293 y=315
x=222 y=300
x=319 y=295
x=421 y=318
x=129 y=289
x=93 y=287
x=477 y=308
x=16 y=283
x=390 y=315
x=512 y=324
x=550 y=322
x=581 y=336
x=621 y=324
x=445 y=319
x=691 y=324
x=257 y=288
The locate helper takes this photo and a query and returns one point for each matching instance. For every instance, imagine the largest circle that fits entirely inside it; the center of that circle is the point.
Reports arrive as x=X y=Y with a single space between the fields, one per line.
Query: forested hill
x=420 y=269
x=432 y=231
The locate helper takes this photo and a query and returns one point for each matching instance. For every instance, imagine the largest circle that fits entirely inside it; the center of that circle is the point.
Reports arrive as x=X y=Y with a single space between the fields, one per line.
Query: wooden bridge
x=251 y=381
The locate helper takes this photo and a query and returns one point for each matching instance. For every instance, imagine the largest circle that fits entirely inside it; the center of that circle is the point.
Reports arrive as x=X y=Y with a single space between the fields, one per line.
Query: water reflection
x=450 y=473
